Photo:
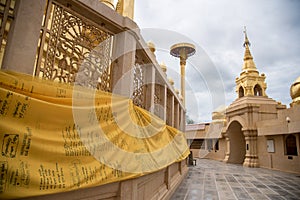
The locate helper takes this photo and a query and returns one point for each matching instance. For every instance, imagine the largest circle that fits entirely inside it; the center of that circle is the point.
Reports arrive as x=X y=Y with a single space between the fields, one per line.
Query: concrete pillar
x=180 y=167
x=170 y=112
x=164 y=101
x=176 y=115
x=123 y=57
x=251 y=158
x=129 y=190
x=182 y=78
x=23 y=36
x=149 y=87
x=182 y=119
x=168 y=177
x=227 y=152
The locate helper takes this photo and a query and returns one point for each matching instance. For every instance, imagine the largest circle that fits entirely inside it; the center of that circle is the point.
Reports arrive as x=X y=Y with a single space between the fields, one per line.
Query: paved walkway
x=217 y=180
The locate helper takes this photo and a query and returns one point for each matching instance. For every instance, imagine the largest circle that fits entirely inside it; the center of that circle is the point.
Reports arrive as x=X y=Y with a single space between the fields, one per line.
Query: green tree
x=189 y=120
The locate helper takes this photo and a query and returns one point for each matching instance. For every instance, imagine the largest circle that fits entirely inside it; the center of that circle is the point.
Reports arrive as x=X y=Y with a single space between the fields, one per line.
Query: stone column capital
x=249 y=132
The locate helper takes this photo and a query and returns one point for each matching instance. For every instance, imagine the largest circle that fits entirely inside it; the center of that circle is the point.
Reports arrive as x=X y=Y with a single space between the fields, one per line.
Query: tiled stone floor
x=217 y=180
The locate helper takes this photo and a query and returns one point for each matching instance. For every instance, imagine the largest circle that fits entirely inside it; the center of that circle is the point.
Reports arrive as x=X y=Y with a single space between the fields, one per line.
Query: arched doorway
x=237 y=143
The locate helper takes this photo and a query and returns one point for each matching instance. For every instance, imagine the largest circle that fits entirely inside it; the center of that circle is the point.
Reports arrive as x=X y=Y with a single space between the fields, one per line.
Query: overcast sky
x=216 y=28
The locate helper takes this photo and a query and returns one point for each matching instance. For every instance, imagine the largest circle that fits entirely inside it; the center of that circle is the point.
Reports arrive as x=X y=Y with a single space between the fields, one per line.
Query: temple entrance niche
x=237 y=143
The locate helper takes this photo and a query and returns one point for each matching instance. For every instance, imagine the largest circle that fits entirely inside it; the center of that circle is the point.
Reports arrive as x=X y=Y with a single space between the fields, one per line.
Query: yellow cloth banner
x=56 y=138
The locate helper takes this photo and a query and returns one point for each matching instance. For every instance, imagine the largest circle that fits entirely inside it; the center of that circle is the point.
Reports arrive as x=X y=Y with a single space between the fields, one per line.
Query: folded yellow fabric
x=57 y=137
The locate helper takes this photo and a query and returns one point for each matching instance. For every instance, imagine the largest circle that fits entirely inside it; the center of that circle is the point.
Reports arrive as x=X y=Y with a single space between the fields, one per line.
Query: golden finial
x=246 y=38
x=151 y=46
x=246 y=44
x=119 y=7
x=125 y=8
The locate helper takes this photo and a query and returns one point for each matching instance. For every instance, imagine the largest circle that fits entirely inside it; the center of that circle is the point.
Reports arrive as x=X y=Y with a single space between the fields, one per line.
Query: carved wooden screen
x=70 y=44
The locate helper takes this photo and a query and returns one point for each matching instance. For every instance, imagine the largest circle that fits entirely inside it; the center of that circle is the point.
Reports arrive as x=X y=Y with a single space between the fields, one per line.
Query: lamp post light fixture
x=182 y=51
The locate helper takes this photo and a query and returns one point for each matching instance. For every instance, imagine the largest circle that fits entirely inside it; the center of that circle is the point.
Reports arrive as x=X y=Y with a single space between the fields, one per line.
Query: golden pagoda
x=250 y=82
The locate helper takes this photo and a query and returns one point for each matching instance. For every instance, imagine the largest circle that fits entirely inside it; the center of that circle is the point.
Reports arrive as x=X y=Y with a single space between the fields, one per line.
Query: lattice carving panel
x=74 y=49
x=158 y=104
x=157 y=94
x=138 y=96
x=7 y=9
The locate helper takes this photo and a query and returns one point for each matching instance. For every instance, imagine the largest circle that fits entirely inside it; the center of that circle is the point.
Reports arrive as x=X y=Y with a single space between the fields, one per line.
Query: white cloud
x=217 y=28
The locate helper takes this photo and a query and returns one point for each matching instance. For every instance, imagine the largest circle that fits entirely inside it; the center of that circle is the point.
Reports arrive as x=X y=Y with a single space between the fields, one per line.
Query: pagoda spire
x=250 y=82
x=248 y=59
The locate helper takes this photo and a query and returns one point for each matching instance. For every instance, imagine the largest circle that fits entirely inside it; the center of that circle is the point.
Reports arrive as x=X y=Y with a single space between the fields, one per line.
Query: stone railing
x=57 y=39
